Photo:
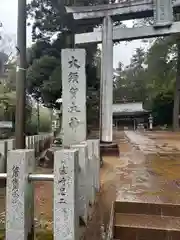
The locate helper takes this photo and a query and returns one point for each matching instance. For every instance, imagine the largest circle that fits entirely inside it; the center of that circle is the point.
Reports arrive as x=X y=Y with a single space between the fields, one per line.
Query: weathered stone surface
x=74 y=96
x=19 y=195
x=83 y=201
x=107 y=80
x=163 y=13
x=125 y=34
x=90 y=175
x=96 y=143
x=66 y=220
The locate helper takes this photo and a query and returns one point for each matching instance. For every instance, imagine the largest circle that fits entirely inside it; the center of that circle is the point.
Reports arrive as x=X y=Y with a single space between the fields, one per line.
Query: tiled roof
x=128 y=107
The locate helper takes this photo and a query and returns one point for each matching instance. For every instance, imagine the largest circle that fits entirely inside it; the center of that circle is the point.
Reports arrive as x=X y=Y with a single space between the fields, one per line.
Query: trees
x=150 y=78
x=162 y=107
x=130 y=82
x=7 y=43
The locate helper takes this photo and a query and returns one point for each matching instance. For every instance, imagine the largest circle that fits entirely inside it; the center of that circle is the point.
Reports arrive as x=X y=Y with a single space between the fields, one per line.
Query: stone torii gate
x=161 y=10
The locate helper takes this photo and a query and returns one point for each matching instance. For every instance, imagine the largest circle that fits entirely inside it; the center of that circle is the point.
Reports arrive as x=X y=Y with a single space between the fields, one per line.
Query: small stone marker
x=73 y=96
x=66 y=220
x=10 y=144
x=19 y=195
x=83 y=200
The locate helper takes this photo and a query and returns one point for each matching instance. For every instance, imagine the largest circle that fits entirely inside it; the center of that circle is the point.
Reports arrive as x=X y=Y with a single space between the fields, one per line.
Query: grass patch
x=40 y=235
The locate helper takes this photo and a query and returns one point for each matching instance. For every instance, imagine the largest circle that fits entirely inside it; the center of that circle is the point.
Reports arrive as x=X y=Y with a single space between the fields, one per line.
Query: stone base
x=109 y=149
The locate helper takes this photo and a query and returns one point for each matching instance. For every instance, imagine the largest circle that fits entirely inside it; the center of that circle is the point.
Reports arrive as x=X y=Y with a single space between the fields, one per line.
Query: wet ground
x=148 y=176
x=164 y=139
x=150 y=179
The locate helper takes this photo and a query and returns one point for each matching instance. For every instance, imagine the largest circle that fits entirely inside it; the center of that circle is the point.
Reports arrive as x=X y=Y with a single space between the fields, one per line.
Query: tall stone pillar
x=106 y=81
x=73 y=96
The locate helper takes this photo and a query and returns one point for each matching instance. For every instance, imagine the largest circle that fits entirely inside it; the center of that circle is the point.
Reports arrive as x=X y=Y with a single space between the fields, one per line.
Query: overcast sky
x=8 y=17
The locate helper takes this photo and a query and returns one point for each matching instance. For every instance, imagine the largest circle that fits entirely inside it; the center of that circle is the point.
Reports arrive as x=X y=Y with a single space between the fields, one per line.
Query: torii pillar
x=106 y=91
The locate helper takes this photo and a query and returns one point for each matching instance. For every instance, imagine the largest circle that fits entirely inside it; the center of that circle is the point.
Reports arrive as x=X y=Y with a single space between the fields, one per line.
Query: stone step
x=109 y=149
x=162 y=209
x=146 y=227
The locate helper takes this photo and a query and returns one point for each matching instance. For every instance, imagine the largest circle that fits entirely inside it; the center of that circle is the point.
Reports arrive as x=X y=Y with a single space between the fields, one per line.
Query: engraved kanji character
x=73 y=90
x=73 y=77
x=62 y=200
x=62 y=180
x=73 y=108
x=73 y=63
x=74 y=122
x=62 y=170
x=15 y=171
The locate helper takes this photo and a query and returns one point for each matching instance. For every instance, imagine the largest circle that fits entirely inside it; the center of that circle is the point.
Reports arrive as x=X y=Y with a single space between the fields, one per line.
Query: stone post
x=106 y=81
x=91 y=170
x=73 y=96
x=150 y=122
x=10 y=144
x=33 y=140
x=5 y=155
x=26 y=142
x=19 y=195
x=83 y=201
x=66 y=220
x=97 y=163
x=13 y=144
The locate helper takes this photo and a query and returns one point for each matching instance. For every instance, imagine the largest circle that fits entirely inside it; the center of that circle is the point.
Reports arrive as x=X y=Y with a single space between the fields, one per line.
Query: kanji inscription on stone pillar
x=74 y=96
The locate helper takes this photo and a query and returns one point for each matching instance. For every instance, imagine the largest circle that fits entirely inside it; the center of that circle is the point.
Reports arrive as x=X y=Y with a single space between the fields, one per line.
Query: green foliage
x=44 y=79
x=40 y=235
x=130 y=84
x=50 y=16
x=150 y=78
x=45 y=120
x=162 y=107
x=8 y=98
x=44 y=235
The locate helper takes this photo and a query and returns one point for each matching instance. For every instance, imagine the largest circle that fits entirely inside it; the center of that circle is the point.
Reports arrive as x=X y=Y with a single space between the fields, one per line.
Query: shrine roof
x=132 y=107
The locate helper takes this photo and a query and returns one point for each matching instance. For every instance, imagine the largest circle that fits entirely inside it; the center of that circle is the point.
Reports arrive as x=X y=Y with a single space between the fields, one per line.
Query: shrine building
x=129 y=115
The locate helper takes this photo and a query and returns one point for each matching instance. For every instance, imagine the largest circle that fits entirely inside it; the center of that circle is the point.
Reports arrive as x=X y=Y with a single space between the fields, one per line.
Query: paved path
x=140 y=141
x=150 y=146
